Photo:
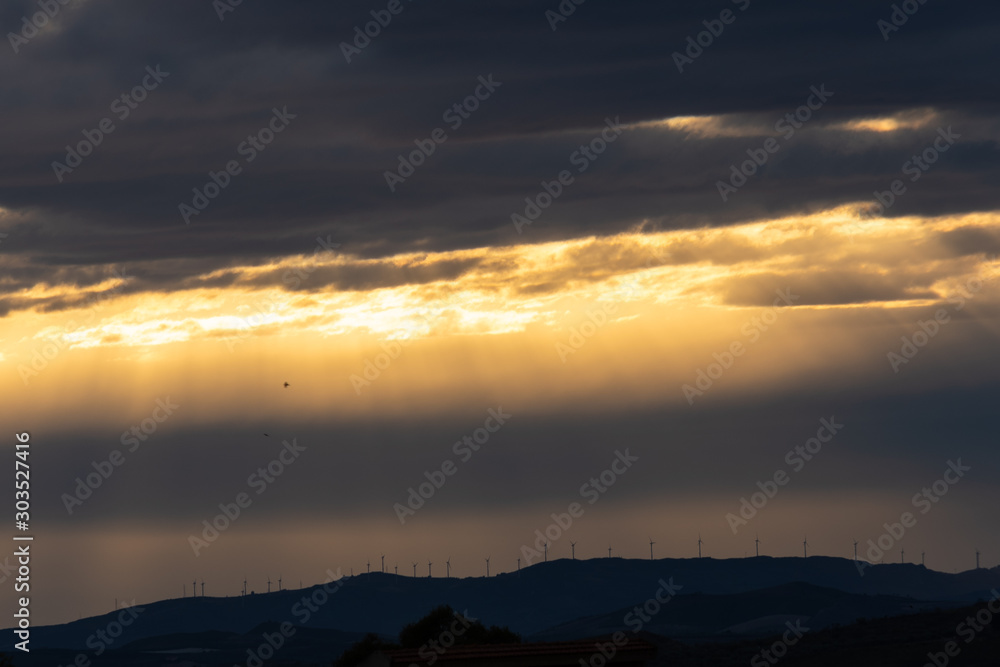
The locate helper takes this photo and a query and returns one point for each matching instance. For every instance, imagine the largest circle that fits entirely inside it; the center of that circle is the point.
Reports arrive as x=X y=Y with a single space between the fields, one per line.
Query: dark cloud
x=324 y=172
x=828 y=287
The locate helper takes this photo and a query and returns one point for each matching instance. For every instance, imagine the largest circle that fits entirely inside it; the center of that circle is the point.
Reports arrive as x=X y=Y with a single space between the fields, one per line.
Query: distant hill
x=547 y=599
x=704 y=617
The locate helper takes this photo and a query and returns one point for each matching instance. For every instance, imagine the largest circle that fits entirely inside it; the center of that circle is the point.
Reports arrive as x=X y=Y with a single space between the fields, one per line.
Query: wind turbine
x=609 y=552
x=414 y=569
x=269 y=584
x=977 y=559
x=545 y=557
x=202 y=588
x=519 y=566
x=244 y=585
x=699 y=545
x=368 y=569
x=855 y=551
x=805 y=547
x=383 y=563
x=488 y=566
x=279 y=584
x=194 y=589
x=922 y=557
x=572 y=546
x=429 y=569
x=651 y=543
x=447 y=568
x=901 y=552
x=756 y=541
x=397 y=568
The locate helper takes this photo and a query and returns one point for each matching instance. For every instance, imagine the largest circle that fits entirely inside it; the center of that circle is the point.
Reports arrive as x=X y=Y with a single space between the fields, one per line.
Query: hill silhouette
x=561 y=599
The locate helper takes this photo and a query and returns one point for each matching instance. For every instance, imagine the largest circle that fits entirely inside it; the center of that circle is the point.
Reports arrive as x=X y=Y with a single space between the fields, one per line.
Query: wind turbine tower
x=855 y=551
x=383 y=563
x=545 y=554
x=202 y=588
x=572 y=546
x=194 y=589
x=609 y=552
x=805 y=550
x=414 y=570
x=651 y=543
x=699 y=545
x=269 y=584
x=429 y=569
x=977 y=559
x=488 y=565
x=447 y=568
x=756 y=542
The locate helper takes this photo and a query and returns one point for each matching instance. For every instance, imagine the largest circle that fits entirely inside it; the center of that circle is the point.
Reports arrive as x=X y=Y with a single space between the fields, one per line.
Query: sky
x=648 y=258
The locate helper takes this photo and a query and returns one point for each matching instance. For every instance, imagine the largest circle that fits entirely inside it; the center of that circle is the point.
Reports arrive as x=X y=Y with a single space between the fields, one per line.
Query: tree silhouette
x=430 y=628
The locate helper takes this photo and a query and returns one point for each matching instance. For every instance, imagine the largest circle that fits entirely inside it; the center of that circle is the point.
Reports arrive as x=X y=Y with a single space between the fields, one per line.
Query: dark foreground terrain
x=756 y=611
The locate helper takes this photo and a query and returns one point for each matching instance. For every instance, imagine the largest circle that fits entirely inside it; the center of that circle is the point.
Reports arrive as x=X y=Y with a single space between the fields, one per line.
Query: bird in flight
x=286 y=385
x=267 y=435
